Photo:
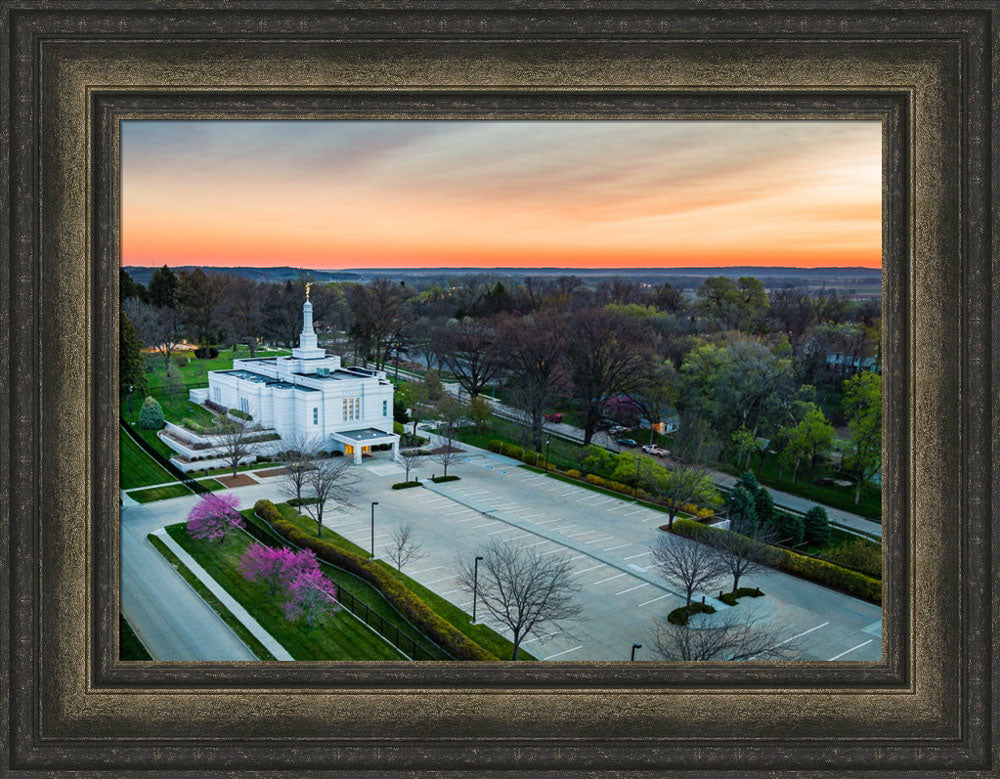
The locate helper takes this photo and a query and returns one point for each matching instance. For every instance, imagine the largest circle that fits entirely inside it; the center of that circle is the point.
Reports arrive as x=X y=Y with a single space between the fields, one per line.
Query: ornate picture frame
x=74 y=71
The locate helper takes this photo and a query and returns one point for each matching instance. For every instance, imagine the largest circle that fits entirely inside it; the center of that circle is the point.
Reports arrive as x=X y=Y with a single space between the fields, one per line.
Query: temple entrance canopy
x=356 y=442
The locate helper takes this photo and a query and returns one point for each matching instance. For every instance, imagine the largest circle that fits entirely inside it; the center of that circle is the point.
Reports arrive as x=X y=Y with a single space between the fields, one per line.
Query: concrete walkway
x=241 y=614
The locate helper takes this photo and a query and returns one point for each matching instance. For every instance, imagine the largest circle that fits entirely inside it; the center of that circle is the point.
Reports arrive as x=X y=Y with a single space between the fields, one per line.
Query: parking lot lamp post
x=475 y=586
x=634 y=647
x=548 y=441
x=374 y=504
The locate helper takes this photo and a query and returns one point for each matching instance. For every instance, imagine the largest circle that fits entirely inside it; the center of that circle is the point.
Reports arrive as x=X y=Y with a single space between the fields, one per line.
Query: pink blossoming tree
x=311 y=594
x=214 y=517
x=263 y=564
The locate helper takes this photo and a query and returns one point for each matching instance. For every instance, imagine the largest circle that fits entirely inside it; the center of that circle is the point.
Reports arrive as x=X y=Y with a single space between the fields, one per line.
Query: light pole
x=548 y=441
x=634 y=647
x=475 y=586
x=374 y=504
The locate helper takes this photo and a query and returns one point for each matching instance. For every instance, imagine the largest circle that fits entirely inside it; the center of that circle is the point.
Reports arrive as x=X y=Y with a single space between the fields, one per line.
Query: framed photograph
x=331 y=327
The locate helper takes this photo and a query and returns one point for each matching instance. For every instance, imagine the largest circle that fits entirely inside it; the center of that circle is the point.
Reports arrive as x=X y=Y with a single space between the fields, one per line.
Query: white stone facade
x=308 y=396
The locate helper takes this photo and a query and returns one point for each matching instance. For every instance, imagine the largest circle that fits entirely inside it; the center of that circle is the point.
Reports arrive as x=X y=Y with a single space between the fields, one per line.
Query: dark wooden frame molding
x=71 y=71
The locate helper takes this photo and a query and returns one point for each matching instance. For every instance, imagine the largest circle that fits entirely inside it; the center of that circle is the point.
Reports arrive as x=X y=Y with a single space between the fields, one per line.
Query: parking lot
x=608 y=541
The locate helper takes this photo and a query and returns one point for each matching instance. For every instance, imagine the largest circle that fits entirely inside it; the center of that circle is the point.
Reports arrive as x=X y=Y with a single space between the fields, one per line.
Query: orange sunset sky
x=361 y=194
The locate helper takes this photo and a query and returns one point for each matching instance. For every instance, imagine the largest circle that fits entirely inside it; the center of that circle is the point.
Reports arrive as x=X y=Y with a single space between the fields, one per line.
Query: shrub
x=209 y=353
x=816 y=525
x=397 y=427
x=443 y=633
x=573 y=473
x=235 y=412
x=787 y=527
x=684 y=613
x=732 y=598
x=151 y=415
x=859 y=553
x=403 y=485
x=495 y=445
x=213 y=406
x=439 y=479
x=829 y=575
x=302 y=501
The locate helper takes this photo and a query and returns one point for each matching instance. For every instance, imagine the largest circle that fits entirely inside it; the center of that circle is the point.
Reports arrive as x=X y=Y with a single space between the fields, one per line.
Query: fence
x=405 y=643
x=168 y=466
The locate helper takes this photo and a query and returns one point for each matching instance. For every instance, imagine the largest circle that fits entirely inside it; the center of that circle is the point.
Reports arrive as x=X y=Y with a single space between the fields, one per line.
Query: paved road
x=171 y=619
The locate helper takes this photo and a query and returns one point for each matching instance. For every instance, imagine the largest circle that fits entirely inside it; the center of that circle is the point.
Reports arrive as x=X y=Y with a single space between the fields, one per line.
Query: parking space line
x=537 y=543
x=548 y=521
x=632 y=557
x=437 y=581
x=620 y=546
x=637 y=511
x=564 y=652
x=646 y=603
x=447 y=592
x=467 y=519
x=866 y=643
x=505 y=530
x=485 y=524
x=424 y=570
x=644 y=584
x=592 y=568
x=616 y=576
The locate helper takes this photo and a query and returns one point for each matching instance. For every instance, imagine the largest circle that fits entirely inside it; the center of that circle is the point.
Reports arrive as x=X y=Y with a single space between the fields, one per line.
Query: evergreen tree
x=131 y=363
x=764 y=504
x=816 y=525
x=742 y=512
x=151 y=415
x=163 y=288
x=788 y=529
x=128 y=287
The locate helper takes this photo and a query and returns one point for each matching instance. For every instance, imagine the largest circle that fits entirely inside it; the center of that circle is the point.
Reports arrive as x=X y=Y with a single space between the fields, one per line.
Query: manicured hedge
x=732 y=598
x=405 y=485
x=302 y=501
x=439 y=479
x=819 y=571
x=680 y=616
x=240 y=414
x=415 y=610
x=529 y=456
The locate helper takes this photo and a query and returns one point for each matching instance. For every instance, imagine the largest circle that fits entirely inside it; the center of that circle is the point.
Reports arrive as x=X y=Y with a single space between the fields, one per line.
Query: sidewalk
x=241 y=614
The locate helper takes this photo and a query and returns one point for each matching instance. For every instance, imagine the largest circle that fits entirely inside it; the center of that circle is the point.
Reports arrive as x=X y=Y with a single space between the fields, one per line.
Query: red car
x=553 y=417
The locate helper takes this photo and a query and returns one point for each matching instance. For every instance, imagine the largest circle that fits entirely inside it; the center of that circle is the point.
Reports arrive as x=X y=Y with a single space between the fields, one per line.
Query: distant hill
x=272 y=275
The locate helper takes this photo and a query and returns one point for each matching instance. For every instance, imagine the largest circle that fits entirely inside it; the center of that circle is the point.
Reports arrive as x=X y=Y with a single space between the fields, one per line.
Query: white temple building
x=308 y=396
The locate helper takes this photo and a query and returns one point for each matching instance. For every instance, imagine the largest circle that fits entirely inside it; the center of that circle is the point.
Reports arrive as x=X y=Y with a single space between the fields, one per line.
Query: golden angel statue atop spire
x=308 y=284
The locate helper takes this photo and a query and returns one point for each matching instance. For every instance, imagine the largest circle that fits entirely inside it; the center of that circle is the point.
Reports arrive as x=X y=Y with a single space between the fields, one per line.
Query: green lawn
x=838 y=497
x=129 y=645
x=194 y=372
x=564 y=454
x=217 y=605
x=175 y=408
x=339 y=637
x=211 y=485
x=159 y=493
x=358 y=587
x=138 y=469
x=486 y=637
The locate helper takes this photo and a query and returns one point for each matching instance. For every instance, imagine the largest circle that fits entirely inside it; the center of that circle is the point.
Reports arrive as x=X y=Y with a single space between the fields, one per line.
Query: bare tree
x=381 y=313
x=237 y=442
x=158 y=327
x=451 y=412
x=745 y=555
x=409 y=458
x=333 y=479
x=735 y=637
x=532 y=349
x=606 y=355
x=469 y=349
x=690 y=565
x=523 y=589
x=298 y=460
x=656 y=393
x=404 y=546
x=242 y=311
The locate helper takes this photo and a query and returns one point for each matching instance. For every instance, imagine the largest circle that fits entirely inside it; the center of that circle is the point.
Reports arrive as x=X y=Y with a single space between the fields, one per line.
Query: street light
x=374 y=504
x=475 y=586
x=547 y=442
x=634 y=647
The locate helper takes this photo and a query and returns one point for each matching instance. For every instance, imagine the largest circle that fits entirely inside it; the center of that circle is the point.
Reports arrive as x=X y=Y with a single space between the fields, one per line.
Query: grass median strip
x=206 y=595
x=340 y=637
x=486 y=637
x=138 y=469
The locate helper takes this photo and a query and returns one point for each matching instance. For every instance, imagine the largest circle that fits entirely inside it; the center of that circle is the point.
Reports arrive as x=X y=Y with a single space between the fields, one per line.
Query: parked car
x=616 y=429
x=626 y=442
x=656 y=451
x=554 y=417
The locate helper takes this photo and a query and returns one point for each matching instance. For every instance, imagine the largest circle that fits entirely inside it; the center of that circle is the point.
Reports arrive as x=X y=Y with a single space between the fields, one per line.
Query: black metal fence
x=400 y=639
x=168 y=466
